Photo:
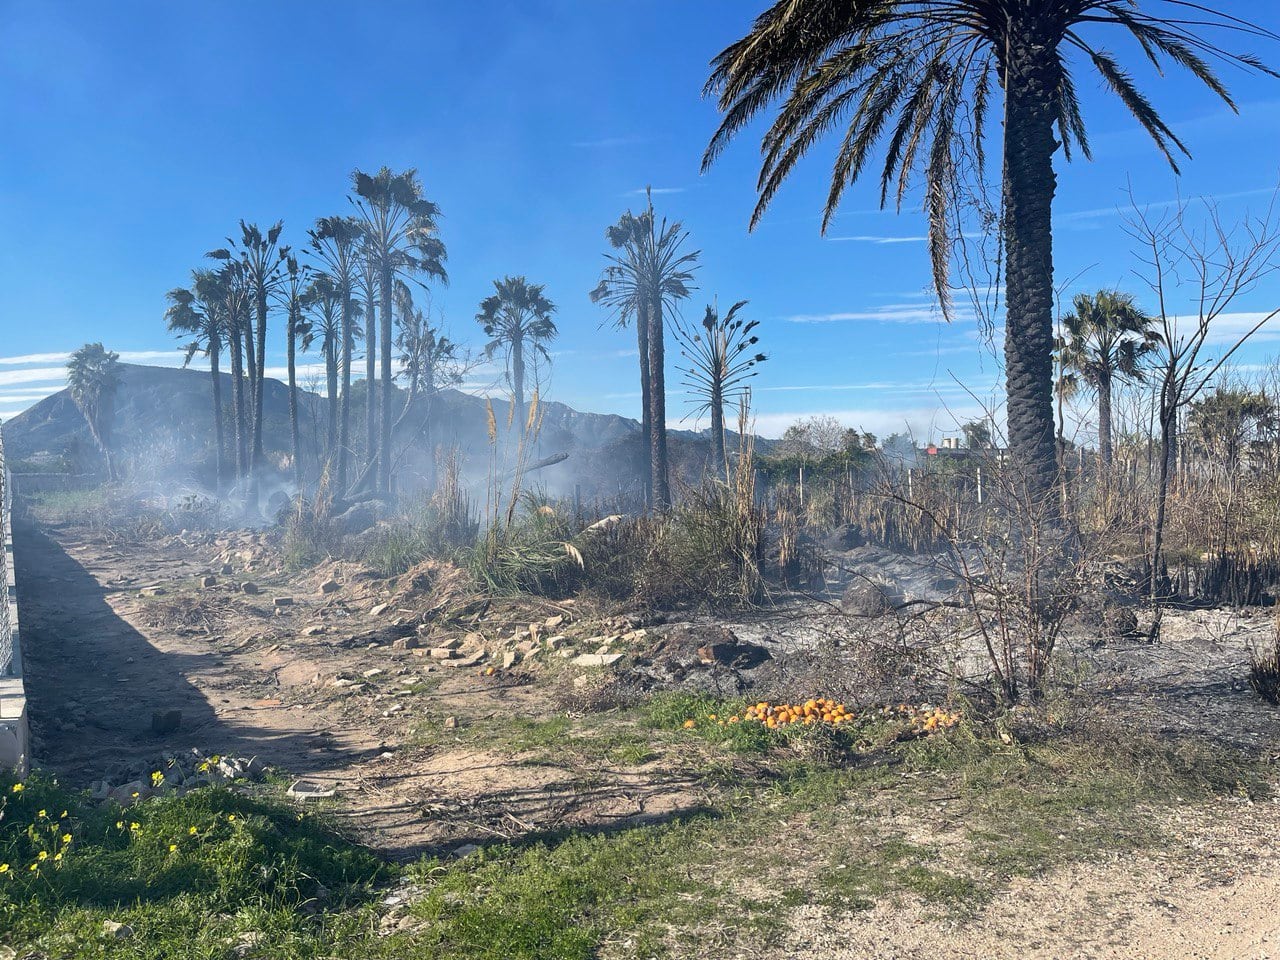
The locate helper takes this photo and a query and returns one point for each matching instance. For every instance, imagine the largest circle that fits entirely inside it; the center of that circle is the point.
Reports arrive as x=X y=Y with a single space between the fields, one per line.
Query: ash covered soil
x=434 y=717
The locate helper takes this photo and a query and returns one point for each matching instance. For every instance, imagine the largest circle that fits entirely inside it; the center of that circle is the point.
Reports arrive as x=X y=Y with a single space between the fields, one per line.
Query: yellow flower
x=42 y=855
x=215 y=758
x=57 y=857
x=135 y=826
x=18 y=788
x=42 y=814
x=157 y=778
x=191 y=831
x=204 y=767
x=64 y=815
x=34 y=867
x=119 y=824
x=231 y=818
x=4 y=868
x=66 y=838
x=173 y=847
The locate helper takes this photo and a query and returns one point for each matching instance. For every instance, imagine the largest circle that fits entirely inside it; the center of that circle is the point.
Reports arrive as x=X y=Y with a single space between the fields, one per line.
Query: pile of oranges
x=922 y=720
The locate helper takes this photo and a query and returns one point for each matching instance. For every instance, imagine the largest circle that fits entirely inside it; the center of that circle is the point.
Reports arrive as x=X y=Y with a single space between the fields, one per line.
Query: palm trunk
x=293 y=400
x=249 y=394
x=517 y=383
x=237 y=401
x=1031 y=84
x=344 y=429
x=217 y=412
x=261 y=376
x=658 y=407
x=331 y=385
x=646 y=388
x=370 y=375
x=384 y=323
x=719 y=455
x=1104 y=419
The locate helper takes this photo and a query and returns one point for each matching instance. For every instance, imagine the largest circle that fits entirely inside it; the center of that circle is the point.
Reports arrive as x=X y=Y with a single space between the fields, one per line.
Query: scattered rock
x=227 y=569
x=379 y=609
x=509 y=659
x=373 y=672
x=284 y=601
x=330 y=586
x=250 y=588
x=313 y=631
x=407 y=643
x=120 y=931
x=734 y=653
x=451 y=723
x=870 y=598
x=552 y=622
x=596 y=659
x=155 y=591
x=441 y=653
x=209 y=581
x=310 y=790
x=845 y=537
x=466 y=850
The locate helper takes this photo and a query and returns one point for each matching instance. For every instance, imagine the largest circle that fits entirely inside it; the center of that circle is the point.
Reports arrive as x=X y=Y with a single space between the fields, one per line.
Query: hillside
x=164 y=430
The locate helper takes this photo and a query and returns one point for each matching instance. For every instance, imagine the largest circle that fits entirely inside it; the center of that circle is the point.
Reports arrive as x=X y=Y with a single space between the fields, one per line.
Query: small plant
x=1264 y=671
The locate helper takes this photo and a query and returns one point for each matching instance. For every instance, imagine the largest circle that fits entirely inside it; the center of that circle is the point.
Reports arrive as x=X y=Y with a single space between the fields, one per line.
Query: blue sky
x=137 y=134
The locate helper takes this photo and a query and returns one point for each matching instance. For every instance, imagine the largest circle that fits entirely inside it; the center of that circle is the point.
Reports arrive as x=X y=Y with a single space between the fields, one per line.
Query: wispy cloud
x=1120 y=209
x=33 y=375
x=656 y=191
x=889 y=313
x=874 y=238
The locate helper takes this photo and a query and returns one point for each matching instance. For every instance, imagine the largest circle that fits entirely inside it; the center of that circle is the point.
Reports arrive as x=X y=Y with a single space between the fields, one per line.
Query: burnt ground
x=426 y=756
x=250 y=682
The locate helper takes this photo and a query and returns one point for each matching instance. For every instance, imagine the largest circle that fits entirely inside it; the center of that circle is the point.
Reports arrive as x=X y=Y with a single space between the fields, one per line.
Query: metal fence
x=7 y=608
x=15 y=736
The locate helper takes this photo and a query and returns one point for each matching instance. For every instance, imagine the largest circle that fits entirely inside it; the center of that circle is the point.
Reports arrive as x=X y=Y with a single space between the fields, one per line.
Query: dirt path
x=314 y=689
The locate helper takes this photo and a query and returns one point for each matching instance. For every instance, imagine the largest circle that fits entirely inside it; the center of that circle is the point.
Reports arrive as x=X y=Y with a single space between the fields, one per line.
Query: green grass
x=783 y=829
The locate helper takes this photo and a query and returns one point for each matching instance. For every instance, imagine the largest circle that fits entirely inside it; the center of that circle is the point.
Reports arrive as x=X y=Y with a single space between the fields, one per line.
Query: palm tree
x=400 y=229
x=297 y=331
x=367 y=281
x=1105 y=338
x=337 y=242
x=261 y=263
x=648 y=275
x=200 y=311
x=323 y=301
x=92 y=377
x=719 y=363
x=517 y=319
x=228 y=282
x=919 y=73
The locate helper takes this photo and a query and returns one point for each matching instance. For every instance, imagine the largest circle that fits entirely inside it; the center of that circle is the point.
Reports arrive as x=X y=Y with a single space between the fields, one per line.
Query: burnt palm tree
x=323 y=302
x=648 y=275
x=337 y=242
x=233 y=292
x=918 y=76
x=261 y=269
x=400 y=227
x=93 y=376
x=297 y=332
x=719 y=360
x=200 y=312
x=367 y=283
x=517 y=318
x=1104 y=339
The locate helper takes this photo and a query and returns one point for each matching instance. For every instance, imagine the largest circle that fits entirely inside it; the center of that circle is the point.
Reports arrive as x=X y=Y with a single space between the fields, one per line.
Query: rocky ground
x=429 y=714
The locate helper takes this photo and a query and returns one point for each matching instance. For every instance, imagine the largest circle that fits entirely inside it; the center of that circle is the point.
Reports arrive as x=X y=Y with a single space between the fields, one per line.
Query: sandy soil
x=250 y=681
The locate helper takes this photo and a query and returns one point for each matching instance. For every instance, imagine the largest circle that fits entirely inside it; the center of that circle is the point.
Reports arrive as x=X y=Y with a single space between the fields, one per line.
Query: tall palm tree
x=228 y=282
x=200 y=311
x=648 y=275
x=517 y=318
x=1104 y=339
x=297 y=332
x=400 y=227
x=323 y=301
x=337 y=242
x=367 y=281
x=262 y=263
x=93 y=376
x=919 y=74
x=719 y=362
